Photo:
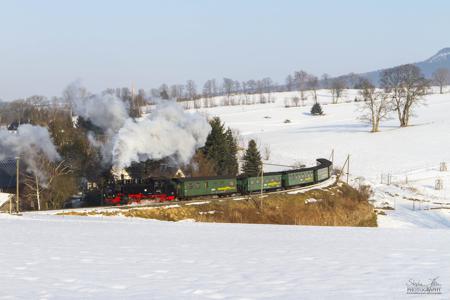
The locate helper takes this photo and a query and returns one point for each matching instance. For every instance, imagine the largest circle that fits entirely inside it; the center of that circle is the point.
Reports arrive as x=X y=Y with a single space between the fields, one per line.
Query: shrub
x=339 y=205
x=316 y=110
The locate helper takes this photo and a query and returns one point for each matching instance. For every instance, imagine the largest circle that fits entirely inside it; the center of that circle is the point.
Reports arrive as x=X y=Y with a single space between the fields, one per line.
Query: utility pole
x=346 y=164
x=10 y=205
x=17 y=183
x=262 y=184
x=38 y=197
x=348 y=167
x=332 y=157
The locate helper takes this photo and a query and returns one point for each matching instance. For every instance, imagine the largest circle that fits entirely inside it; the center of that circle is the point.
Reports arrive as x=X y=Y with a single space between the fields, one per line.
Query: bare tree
x=56 y=188
x=407 y=88
x=252 y=86
x=214 y=87
x=375 y=106
x=441 y=77
x=228 y=88
x=237 y=91
x=245 y=92
x=266 y=152
x=191 y=89
x=301 y=78
x=267 y=85
x=325 y=81
x=353 y=79
x=313 y=84
x=208 y=92
x=176 y=91
x=207 y=89
x=337 y=89
x=289 y=83
x=197 y=103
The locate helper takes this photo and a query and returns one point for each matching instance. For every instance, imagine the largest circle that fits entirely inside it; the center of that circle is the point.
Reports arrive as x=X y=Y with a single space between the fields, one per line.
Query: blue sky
x=46 y=44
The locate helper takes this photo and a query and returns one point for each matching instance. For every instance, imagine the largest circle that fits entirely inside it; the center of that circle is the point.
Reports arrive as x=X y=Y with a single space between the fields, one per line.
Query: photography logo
x=432 y=287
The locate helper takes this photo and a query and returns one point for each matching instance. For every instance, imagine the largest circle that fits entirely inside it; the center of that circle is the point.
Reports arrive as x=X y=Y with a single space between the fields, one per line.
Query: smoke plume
x=168 y=132
x=106 y=111
x=28 y=142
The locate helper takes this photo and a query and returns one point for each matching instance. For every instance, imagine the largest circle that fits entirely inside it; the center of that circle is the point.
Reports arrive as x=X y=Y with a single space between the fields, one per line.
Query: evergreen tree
x=164 y=95
x=316 y=110
x=252 y=160
x=221 y=148
x=231 y=164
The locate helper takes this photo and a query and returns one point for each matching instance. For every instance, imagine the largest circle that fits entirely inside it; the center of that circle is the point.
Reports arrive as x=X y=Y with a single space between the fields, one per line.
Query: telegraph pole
x=38 y=196
x=262 y=184
x=346 y=164
x=348 y=167
x=17 y=184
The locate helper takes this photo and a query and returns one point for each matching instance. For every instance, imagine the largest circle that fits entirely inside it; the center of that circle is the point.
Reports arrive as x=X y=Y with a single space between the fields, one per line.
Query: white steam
x=167 y=132
x=28 y=142
x=107 y=111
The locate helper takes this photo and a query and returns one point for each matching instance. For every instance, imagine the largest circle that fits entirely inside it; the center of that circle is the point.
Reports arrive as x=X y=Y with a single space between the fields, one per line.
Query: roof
x=259 y=176
x=204 y=178
x=321 y=163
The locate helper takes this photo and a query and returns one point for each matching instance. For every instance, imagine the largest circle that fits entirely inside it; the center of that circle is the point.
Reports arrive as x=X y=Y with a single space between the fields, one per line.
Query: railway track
x=327 y=183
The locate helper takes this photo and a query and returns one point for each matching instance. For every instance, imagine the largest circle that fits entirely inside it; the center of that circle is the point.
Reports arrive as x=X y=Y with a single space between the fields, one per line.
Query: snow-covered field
x=410 y=156
x=54 y=257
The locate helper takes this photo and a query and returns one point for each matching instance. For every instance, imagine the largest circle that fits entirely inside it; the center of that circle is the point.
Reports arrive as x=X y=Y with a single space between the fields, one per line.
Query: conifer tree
x=164 y=95
x=252 y=160
x=316 y=110
x=221 y=149
x=231 y=164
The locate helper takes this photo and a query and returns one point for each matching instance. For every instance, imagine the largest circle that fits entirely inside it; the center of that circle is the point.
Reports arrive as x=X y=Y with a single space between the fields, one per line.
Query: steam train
x=122 y=192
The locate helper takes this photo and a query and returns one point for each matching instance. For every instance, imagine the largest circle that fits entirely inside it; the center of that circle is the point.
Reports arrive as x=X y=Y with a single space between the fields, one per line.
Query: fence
x=411 y=176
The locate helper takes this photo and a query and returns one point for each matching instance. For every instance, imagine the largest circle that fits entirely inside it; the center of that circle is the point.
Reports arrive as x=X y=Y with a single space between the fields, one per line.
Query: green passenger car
x=298 y=177
x=323 y=174
x=324 y=169
x=272 y=181
x=205 y=186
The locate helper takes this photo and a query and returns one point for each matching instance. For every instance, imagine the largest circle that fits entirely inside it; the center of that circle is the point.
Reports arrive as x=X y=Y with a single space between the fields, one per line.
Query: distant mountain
x=439 y=60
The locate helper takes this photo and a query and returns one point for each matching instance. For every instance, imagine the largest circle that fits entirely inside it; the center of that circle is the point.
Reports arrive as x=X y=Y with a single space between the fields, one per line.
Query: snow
x=55 y=257
x=413 y=153
x=440 y=56
x=4 y=197
x=307 y=137
x=47 y=256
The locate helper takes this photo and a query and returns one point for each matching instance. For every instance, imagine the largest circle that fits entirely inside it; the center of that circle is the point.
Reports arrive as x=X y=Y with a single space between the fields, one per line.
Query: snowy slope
x=392 y=150
x=51 y=257
x=410 y=155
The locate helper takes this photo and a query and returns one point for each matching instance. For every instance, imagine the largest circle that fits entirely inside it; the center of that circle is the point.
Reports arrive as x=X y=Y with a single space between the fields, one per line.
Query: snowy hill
x=440 y=60
x=442 y=56
x=410 y=156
